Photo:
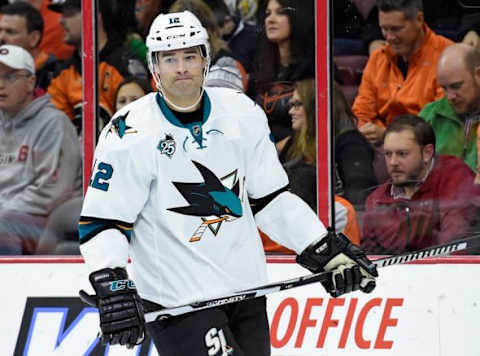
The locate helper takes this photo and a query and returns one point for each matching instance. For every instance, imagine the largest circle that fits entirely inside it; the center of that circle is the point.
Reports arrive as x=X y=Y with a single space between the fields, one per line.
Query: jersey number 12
x=103 y=173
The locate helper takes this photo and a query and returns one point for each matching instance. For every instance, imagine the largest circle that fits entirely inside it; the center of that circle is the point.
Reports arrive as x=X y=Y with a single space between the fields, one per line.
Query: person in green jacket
x=456 y=116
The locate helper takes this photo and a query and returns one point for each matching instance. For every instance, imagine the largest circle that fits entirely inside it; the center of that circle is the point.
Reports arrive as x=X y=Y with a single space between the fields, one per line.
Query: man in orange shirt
x=52 y=41
x=400 y=77
x=115 y=62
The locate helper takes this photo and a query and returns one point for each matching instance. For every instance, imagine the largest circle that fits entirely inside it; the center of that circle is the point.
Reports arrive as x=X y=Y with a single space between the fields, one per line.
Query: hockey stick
x=434 y=251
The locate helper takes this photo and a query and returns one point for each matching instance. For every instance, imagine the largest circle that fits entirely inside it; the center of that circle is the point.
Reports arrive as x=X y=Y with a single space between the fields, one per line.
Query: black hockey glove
x=120 y=308
x=351 y=269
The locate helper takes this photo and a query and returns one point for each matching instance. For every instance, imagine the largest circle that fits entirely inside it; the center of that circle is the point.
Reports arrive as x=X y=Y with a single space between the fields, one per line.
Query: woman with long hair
x=302 y=111
x=286 y=54
x=299 y=161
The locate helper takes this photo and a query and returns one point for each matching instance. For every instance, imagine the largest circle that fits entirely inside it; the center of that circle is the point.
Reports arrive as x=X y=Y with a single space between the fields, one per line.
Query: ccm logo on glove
x=121 y=285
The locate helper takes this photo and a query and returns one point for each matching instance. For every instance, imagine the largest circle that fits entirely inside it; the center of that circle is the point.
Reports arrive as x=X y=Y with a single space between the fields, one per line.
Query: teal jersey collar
x=195 y=128
x=170 y=116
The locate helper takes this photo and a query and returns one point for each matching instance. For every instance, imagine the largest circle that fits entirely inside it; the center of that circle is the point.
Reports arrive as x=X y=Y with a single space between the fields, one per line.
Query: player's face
x=402 y=34
x=71 y=21
x=128 y=93
x=277 y=22
x=13 y=30
x=461 y=87
x=406 y=160
x=181 y=74
x=297 y=112
x=16 y=87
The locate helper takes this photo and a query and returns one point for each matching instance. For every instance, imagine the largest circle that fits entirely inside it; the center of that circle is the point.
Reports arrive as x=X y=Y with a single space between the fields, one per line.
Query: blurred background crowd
x=405 y=110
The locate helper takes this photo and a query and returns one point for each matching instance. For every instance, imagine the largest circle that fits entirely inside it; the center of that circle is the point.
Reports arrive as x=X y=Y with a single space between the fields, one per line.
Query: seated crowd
x=405 y=115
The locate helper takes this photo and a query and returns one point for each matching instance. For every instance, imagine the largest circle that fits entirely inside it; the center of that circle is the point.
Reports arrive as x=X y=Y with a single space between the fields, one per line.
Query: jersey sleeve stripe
x=259 y=203
x=88 y=227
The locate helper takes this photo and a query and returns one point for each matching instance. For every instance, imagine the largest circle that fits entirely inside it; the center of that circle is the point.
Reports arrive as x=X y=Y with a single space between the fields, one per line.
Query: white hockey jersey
x=180 y=194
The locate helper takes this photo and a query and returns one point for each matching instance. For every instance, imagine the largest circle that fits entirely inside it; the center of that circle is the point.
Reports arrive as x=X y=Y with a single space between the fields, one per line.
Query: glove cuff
x=108 y=274
x=108 y=281
x=319 y=253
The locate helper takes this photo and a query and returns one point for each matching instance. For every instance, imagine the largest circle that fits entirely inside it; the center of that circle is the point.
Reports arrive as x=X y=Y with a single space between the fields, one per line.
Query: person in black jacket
x=240 y=36
x=354 y=156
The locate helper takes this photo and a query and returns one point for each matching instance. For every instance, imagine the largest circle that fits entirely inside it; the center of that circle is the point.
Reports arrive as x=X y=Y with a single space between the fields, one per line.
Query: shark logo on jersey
x=120 y=127
x=167 y=146
x=210 y=200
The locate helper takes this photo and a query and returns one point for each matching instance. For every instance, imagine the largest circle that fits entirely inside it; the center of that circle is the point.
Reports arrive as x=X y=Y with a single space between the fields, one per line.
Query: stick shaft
x=435 y=251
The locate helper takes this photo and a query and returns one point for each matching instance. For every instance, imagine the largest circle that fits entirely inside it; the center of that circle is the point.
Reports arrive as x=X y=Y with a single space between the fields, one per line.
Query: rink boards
x=426 y=309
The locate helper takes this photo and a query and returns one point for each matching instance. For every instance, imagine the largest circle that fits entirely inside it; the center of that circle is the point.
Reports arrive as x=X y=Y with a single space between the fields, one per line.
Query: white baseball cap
x=17 y=58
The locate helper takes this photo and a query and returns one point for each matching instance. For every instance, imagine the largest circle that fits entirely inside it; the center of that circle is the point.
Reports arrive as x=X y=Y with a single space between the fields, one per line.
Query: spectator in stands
x=356 y=24
x=115 y=61
x=225 y=71
x=247 y=9
x=133 y=39
x=240 y=36
x=452 y=19
x=147 y=10
x=21 y=24
x=299 y=158
x=354 y=156
x=39 y=154
x=456 y=116
x=60 y=237
x=52 y=39
x=286 y=55
x=428 y=199
x=355 y=27
x=400 y=77
x=130 y=90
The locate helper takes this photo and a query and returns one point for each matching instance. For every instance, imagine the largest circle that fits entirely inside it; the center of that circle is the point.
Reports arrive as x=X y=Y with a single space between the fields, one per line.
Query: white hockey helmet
x=173 y=31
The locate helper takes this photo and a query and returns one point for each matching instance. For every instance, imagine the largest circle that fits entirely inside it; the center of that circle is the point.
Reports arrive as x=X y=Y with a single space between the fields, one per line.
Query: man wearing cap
x=40 y=159
x=115 y=61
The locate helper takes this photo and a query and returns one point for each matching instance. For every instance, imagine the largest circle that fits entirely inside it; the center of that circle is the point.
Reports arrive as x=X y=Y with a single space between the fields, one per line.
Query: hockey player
x=182 y=178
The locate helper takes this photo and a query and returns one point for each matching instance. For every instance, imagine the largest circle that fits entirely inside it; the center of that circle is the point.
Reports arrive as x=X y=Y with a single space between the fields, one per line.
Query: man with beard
x=428 y=200
x=455 y=117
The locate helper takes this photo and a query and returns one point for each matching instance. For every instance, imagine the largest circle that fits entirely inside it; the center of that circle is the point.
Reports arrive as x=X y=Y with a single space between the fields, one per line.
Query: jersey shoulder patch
x=120 y=127
x=130 y=123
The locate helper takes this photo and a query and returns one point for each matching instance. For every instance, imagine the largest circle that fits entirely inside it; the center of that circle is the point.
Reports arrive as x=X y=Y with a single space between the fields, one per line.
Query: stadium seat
x=350 y=70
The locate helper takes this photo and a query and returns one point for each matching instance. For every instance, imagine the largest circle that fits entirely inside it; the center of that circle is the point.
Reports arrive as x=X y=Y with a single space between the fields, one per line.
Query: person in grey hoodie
x=40 y=157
